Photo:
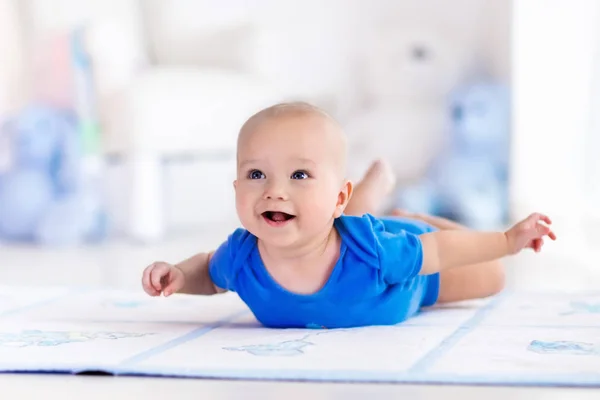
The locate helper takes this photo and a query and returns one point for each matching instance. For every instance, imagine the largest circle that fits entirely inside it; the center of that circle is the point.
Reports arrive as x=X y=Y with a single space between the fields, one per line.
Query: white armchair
x=164 y=94
x=180 y=113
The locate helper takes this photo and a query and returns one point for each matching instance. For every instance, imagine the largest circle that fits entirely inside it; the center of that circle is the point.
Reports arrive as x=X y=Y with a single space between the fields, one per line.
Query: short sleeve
x=391 y=245
x=228 y=258
x=400 y=254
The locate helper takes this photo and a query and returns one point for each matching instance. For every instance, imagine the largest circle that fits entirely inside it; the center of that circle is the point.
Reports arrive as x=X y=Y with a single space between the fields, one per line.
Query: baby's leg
x=439 y=222
x=471 y=282
x=369 y=193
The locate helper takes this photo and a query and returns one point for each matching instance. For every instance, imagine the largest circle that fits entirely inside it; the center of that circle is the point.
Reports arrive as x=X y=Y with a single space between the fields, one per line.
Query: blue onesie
x=375 y=281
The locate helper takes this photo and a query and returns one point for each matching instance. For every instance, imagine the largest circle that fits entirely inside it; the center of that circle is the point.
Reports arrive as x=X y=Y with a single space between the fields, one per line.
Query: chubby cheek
x=317 y=206
x=244 y=203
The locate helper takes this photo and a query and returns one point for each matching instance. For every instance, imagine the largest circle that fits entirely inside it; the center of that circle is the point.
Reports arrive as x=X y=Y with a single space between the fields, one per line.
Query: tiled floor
x=119 y=264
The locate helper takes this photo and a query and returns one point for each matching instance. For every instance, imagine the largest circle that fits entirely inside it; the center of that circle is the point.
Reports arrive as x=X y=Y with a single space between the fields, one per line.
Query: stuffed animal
x=42 y=197
x=467 y=182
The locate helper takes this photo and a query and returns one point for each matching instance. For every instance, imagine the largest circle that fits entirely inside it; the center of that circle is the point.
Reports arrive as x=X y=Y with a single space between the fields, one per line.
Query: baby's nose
x=275 y=191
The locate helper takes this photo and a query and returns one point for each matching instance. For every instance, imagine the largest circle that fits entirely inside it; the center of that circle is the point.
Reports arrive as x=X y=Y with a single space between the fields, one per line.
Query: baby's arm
x=197 y=278
x=453 y=248
x=190 y=276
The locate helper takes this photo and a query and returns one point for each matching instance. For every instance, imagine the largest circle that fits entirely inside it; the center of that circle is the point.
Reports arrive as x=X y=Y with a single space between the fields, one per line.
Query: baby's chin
x=279 y=239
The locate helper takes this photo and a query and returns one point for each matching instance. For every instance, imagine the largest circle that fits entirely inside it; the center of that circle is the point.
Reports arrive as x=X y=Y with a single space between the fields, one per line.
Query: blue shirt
x=375 y=281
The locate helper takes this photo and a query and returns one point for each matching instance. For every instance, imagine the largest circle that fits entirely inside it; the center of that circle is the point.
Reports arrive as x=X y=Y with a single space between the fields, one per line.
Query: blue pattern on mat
x=180 y=340
x=564 y=347
x=559 y=327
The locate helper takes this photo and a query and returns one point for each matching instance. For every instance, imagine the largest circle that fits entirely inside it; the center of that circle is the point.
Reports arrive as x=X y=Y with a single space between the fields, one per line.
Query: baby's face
x=289 y=185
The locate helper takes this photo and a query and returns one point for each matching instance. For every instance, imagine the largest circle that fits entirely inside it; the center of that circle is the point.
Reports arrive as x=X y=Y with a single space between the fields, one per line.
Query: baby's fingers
x=537 y=245
x=542 y=230
x=158 y=274
x=146 y=283
x=158 y=278
x=540 y=217
x=545 y=218
x=171 y=288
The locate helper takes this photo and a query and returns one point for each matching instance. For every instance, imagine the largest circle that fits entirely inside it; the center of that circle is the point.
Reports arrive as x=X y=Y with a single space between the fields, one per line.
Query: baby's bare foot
x=398 y=212
x=370 y=192
x=380 y=177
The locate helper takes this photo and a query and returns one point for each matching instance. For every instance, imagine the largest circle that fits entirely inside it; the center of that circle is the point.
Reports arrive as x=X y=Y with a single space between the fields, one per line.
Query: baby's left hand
x=529 y=233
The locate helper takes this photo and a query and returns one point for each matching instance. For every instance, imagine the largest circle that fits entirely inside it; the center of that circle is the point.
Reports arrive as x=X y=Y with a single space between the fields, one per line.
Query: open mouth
x=277 y=216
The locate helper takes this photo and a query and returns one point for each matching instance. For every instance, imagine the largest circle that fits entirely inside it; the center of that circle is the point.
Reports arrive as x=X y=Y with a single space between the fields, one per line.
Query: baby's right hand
x=161 y=277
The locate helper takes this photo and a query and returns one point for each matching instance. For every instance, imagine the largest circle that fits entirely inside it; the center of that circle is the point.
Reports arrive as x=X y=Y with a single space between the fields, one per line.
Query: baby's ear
x=343 y=198
x=235 y=184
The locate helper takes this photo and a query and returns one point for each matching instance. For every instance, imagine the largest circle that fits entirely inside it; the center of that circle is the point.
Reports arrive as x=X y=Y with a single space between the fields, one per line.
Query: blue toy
x=467 y=182
x=42 y=196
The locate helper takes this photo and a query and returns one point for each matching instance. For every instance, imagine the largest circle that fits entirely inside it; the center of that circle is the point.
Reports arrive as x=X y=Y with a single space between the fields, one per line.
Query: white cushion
x=305 y=54
x=173 y=110
x=199 y=33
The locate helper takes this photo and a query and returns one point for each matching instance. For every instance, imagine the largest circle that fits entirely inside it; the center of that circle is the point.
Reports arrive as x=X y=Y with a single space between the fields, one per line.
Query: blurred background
x=119 y=120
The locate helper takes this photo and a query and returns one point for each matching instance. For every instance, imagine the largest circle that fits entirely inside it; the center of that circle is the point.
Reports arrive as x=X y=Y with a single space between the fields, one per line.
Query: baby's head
x=291 y=166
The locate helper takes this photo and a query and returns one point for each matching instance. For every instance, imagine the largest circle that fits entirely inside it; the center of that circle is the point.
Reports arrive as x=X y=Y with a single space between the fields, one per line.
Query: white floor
x=119 y=264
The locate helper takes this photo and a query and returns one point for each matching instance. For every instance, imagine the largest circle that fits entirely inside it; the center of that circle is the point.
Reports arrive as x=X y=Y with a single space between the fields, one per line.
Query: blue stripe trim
x=180 y=340
x=423 y=364
x=31 y=306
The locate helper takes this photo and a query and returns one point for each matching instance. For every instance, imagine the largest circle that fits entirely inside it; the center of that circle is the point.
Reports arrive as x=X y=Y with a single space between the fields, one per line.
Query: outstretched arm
x=446 y=224
x=453 y=248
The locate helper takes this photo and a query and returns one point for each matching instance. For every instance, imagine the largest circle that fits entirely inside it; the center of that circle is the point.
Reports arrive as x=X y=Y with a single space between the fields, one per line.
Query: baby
x=311 y=254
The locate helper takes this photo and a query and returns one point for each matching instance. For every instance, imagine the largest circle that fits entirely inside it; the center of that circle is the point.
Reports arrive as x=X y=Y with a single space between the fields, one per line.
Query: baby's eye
x=256 y=174
x=300 y=175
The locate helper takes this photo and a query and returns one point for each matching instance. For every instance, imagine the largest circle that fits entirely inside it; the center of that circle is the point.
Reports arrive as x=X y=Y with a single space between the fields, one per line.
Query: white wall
x=555 y=167
x=555 y=83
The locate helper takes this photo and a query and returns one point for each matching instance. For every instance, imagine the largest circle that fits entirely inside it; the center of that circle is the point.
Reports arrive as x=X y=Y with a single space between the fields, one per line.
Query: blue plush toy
x=42 y=196
x=468 y=180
